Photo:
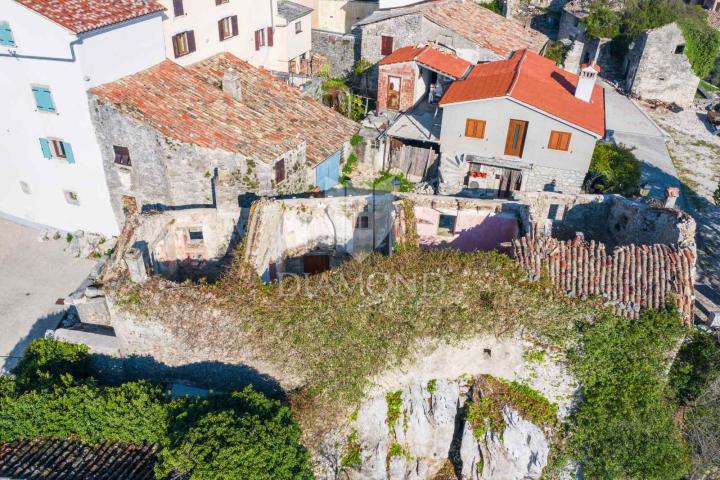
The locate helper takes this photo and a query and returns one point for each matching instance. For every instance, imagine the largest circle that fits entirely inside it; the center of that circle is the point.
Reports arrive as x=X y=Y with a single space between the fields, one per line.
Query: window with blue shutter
x=6 y=36
x=43 y=99
x=45 y=146
x=68 y=152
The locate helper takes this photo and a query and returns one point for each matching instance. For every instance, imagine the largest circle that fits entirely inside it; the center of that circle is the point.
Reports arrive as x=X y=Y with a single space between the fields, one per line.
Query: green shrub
x=349 y=165
x=386 y=182
x=45 y=361
x=623 y=427
x=492 y=5
x=351 y=455
x=695 y=364
x=133 y=413
x=555 y=51
x=356 y=140
x=242 y=435
x=618 y=167
x=716 y=195
x=603 y=22
x=702 y=43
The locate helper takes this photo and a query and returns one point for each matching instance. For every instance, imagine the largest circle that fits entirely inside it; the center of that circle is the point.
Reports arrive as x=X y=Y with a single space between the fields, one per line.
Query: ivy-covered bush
x=623 y=427
x=702 y=43
x=46 y=360
x=618 y=169
x=697 y=362
x=555 y=51
x=603 y=22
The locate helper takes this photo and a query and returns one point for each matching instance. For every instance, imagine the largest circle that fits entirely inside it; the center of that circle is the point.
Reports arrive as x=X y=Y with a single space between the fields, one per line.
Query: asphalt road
x=33 y=275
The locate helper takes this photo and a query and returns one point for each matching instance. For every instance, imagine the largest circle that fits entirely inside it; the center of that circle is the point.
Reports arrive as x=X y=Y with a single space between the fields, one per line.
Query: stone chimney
x=231 y=84
x=586 y=84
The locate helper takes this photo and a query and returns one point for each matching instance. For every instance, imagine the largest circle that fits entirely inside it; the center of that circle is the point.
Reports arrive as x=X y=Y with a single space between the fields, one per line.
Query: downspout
x=73 y=55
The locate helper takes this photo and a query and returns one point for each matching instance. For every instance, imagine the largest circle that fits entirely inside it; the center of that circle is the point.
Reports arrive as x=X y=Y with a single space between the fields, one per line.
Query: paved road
x=630 y=127
x=34 y=275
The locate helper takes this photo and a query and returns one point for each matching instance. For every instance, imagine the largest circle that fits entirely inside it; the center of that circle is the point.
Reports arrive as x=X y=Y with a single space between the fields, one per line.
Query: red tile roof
x=187 y=104
x=486 y=28
x=535 y=81
x=430 y=57
x=80 y=16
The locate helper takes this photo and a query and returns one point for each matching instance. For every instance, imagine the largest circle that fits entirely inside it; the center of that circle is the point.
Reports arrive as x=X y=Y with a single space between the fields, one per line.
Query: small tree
x=603 y=22
x=618 y=169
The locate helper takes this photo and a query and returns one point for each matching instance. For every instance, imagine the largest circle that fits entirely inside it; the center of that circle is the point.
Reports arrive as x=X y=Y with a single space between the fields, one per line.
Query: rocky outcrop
x=412 y=433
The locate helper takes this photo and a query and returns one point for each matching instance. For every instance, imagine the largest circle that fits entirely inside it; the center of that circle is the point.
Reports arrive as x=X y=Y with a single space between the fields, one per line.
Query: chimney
x=231 y=84
x=586 y=84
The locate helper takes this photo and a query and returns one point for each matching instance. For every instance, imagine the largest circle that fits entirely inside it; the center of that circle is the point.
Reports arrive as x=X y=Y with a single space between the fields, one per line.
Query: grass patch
x=351 y=457
x=534 y=356
x=394 y=409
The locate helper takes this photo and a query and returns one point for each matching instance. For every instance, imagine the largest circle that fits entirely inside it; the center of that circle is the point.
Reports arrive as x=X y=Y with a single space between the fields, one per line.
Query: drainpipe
x=73 y=55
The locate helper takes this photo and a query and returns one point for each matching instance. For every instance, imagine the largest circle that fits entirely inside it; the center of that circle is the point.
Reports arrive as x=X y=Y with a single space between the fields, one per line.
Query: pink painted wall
x=474 y=230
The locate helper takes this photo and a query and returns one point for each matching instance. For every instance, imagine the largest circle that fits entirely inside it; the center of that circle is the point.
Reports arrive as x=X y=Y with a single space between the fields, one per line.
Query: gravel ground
x=695 y=152
x=34 y=275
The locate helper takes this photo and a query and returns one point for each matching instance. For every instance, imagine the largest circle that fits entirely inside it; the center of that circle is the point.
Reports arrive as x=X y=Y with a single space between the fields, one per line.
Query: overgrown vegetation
x=243 y=434
x=716 y=196
x=617 y=168
x=492 y=5
x=390 y=182
x=624 y=427
x=702 y=40
x=555 y=51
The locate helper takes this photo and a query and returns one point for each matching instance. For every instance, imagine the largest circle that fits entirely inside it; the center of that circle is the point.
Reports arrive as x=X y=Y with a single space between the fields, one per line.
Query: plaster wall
x=338 y=16
x=45 y=55
x=475 y=229
x=289 y=44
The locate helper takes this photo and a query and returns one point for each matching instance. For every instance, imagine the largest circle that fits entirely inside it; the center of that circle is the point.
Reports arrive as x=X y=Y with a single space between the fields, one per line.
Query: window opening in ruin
x=446 y=225
x=680 y=49
x=122 y=156
x=195 y=234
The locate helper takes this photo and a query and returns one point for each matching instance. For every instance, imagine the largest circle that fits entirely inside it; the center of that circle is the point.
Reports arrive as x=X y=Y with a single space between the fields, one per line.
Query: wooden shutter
x=221 y=31
x=386 y=45
x=43 y=99
x=257 y=39
x=475 y=128
x=68 y=152
x=178 y=8
x=280 y=170
x=559 y=140
x=234 y=22
x=6 y=36
x=270 y=33
x=176 y=50
x=191 y=41
x=45 y=146
x=218 y=2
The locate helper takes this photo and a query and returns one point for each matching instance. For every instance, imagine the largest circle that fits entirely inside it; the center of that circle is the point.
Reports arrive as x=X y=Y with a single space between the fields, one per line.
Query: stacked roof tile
x=431 y=57
x=188 y=104
x=80 y=16
x=536 y=81
x=71 y=460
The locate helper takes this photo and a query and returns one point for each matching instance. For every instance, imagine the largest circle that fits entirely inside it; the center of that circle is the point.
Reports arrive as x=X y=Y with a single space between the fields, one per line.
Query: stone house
x=167 y=133
x=658 y=69
x=521 y=124
x=472 y=31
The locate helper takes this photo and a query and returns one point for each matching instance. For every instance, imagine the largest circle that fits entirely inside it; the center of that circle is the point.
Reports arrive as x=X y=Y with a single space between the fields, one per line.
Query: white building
x=50 y=54
x=265 y=33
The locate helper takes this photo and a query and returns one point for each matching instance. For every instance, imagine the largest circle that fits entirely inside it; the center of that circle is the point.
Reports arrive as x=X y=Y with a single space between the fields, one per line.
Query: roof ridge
x=516 y=74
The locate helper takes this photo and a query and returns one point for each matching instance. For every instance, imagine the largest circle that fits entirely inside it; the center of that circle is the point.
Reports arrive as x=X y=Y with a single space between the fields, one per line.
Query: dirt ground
x=695 y=153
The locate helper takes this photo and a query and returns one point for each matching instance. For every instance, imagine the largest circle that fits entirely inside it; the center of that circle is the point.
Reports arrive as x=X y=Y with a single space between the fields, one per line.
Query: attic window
x=680 y=49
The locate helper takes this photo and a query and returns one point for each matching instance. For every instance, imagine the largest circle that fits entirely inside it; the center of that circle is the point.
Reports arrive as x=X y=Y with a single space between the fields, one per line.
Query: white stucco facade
x=53 y=191
x=292 y=42
x=251 y=17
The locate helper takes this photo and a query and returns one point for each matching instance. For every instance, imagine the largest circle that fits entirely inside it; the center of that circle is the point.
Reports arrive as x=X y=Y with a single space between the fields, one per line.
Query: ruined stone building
x=473 y=32
x=168 y=133
x=658 y=69
x=521 y=124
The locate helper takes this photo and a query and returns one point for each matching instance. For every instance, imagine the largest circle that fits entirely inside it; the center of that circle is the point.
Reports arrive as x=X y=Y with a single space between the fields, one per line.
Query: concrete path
x=629 y=126
x=33 y=276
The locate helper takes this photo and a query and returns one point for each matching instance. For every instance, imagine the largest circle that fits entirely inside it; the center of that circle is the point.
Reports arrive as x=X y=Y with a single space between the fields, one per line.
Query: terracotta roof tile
x=187 y=104
x=431 y=57
x=486 y=28
x=80 y=16
x=535 y=81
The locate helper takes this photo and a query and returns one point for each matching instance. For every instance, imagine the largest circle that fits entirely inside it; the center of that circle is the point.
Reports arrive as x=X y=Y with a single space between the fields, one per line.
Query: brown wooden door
x=316 y=263
x=516 y=138
x=393 y=93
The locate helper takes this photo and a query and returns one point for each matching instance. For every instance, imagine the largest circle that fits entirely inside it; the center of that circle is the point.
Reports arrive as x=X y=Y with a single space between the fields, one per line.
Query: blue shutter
x=6 y=36
x=68 y=153
x=45 y=145
x=43 y=99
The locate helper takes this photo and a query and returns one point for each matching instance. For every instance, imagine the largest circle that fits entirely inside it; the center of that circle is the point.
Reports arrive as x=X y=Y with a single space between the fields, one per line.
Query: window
x=43 y=98
x=259 y=38
x=6 y=35
x=54 y=148
x=228 y=27
x=71 y=197
x=25 y=188
x=680 y=49
x=446 y=226
x=220 y=2
x=298 y=27
x=184 y=43
x=195 y=234
x=559 y=140
x=280 y=170
x=386 y=45
x=122 y=156
x=362 y=222
x=178 y=8
x=270 y=36
x=475 y=128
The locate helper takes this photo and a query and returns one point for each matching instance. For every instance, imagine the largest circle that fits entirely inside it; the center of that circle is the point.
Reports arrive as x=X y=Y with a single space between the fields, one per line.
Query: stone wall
x=657 y=70
x=337 y=49
x=547 y=179
x=168 y=173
